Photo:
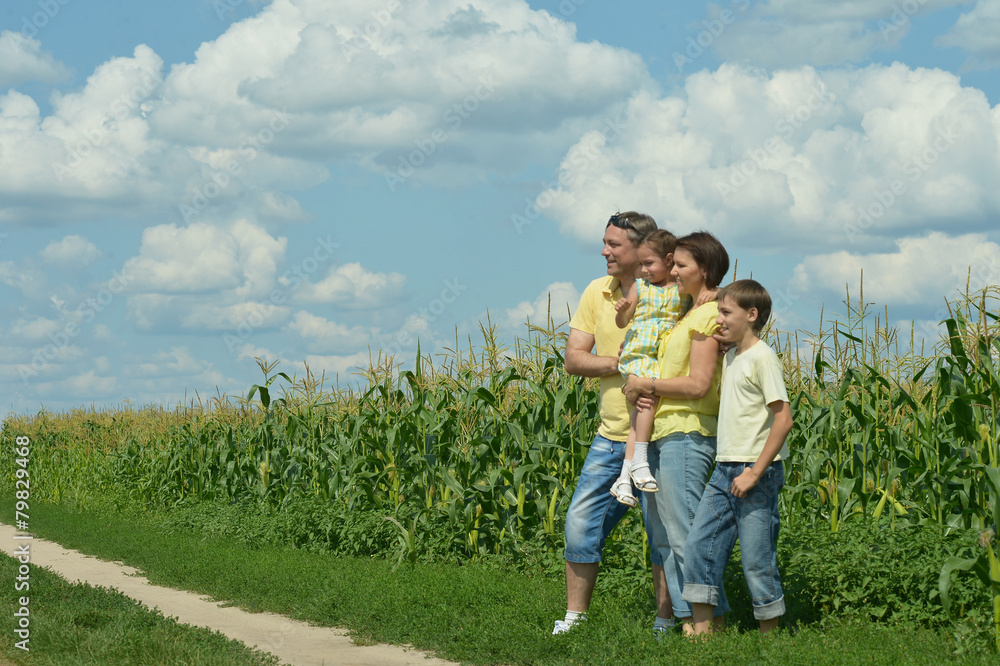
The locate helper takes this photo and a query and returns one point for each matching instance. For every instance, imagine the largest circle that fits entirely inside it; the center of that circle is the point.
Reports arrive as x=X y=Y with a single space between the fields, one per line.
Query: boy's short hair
x=661 y=241
x=636 y=225
x=749 y=294
x=709 y=254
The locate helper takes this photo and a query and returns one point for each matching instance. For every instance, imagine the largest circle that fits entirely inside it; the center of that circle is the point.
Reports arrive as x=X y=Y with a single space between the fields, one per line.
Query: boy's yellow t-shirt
x=674 y=356
x=750 y=382
x=596 y=316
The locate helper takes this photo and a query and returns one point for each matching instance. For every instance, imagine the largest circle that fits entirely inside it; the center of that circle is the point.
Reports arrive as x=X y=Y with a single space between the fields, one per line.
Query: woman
x=683 y=448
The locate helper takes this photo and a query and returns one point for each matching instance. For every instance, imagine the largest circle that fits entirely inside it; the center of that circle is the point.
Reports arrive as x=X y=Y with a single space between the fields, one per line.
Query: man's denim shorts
x=594 y=511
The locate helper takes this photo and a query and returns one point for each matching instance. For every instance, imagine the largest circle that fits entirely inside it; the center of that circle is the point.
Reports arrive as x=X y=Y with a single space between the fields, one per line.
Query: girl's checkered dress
x=659 y=308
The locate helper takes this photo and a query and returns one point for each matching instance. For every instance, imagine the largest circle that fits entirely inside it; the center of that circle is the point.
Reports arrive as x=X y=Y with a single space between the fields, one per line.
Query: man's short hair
x=709 y=254
x=749 y=294
x=636 y=225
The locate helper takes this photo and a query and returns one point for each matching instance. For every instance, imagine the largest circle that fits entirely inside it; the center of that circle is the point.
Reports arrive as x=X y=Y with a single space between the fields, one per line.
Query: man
x=594 y=512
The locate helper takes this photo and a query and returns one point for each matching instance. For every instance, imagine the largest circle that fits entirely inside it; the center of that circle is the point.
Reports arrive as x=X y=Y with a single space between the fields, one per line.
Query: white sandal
x=622 y=491
x=641 y=477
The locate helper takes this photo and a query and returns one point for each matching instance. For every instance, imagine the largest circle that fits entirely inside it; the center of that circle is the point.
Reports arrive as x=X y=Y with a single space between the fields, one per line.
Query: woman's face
x=689 y=275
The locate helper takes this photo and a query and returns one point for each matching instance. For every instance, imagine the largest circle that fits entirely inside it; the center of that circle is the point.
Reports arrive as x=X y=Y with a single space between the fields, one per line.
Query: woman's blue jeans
x=680 y=463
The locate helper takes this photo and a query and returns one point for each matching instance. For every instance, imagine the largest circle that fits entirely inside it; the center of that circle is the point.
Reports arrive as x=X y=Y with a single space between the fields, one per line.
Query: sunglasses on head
x=621 y=222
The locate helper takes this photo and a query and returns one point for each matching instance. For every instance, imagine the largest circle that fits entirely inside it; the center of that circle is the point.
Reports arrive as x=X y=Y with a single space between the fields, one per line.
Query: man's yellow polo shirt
x=596 y=316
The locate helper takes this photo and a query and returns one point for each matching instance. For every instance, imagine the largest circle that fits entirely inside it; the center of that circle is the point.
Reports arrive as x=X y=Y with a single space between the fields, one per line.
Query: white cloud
x=71 y=251
x=978 y=32
x=31 y=282
x=556 y=300
x=44 y=360
x=85 y=386
x=434 y=94
x=792 y=159
x=233 y=278
x=333 y=365
x=323 y=336
x=211 y=312
x=242 y=258
x=437 y=73
x=791 y=33
x=352 y=286
x=32 y=330
x=103 y=333
x=97 y=152
x=22 y=59
x=178 y=361
x=921 y=271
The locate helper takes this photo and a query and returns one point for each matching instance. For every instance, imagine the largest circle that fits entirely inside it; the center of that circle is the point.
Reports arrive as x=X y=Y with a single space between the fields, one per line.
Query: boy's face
x=734 y=322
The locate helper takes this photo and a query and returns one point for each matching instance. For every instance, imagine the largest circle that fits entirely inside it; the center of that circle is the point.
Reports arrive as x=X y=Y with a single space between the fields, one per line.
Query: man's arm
x=782 y=425
x=579 y=360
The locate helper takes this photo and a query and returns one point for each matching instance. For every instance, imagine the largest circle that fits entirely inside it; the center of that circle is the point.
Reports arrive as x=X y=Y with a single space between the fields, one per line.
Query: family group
x=694 y=416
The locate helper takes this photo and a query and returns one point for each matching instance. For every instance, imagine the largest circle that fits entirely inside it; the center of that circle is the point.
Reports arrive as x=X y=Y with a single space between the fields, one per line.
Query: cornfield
x=489 y=440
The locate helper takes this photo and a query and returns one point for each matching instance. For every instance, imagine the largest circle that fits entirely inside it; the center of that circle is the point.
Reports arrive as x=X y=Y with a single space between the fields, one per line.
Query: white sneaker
x=562 y=626
x=660 y=631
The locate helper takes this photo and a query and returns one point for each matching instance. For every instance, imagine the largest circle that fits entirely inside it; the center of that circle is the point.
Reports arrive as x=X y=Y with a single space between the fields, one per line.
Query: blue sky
x=187 y=186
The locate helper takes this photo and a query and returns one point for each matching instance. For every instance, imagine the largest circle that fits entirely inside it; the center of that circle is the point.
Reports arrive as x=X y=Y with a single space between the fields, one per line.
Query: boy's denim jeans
x=594 y=511
x=721 y=518
x=680 y=463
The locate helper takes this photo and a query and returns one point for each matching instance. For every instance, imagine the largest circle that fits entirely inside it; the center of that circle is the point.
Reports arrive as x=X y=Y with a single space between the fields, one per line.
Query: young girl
x=656 y=305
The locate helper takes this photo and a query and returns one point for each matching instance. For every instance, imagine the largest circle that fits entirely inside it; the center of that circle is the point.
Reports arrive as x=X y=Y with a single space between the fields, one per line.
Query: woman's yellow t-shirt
x=674 y=357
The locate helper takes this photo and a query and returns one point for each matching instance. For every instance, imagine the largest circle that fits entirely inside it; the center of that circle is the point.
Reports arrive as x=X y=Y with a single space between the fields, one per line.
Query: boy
x=741 y=499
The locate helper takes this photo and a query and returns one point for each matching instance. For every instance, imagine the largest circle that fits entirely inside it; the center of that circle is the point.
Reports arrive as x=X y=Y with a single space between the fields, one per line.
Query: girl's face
x=654 y=268
x=690 y=276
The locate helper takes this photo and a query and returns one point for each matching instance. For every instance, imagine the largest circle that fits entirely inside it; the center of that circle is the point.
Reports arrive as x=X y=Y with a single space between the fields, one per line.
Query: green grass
x=470 y=613
x=73 y=623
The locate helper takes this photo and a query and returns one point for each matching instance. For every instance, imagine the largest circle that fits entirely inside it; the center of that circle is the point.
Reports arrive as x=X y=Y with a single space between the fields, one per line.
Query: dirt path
x=292 y=641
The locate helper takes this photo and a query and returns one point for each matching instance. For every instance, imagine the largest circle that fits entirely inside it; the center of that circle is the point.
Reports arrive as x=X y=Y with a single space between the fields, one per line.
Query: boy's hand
x=621 y=304
x=745 y=482
x=723 y=345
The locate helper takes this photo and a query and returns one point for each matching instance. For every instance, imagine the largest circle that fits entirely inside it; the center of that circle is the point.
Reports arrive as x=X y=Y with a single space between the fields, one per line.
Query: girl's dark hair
x=661 y=241
x=708 y=253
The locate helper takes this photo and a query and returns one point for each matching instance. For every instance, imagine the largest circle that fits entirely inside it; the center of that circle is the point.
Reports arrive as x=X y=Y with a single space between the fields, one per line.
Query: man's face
x=620 y=253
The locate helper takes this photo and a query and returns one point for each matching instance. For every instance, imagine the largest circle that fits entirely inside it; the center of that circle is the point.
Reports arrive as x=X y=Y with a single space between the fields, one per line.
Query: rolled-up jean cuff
x=701 y=594
x=770 y=611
